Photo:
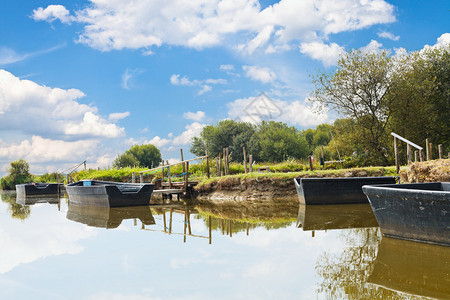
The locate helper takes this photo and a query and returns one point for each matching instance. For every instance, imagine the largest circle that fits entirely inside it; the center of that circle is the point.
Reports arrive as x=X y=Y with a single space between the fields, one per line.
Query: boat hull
x=109 y=194
x=344 y=190
x=418 y=212
x=37 y=189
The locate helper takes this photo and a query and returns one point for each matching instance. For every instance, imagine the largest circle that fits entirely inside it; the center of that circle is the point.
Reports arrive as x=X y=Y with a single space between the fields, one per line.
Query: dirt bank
x=427 y=171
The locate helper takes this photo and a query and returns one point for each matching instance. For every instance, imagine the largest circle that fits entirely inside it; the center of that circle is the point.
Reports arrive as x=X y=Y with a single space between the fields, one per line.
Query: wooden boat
x=340 y=216
x=412 y=268
x=109 y=194
x=343 y=190
x=37 y=189
x=416 y=211
x=108 y=217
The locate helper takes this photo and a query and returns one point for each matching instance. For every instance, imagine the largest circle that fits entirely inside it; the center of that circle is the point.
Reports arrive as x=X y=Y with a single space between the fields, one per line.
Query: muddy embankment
x=427 y=171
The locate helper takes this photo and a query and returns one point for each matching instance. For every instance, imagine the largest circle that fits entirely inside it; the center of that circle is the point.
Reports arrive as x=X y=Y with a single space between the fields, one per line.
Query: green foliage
x=139 y=155
x=226 y=133
x=19 y=173
x=277 y=142
x=48 y=177
x=359 y=89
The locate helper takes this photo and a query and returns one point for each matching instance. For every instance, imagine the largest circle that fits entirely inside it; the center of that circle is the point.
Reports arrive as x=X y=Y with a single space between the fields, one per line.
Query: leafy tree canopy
x=139 y=155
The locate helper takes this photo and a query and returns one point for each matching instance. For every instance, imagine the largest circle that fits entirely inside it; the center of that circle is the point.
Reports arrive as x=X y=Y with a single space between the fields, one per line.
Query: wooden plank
x=427 y=146
x=408 y=153
x=250 y=157
x=397 y=164
x=416 y=156
x=406 y=141
x=440 y=151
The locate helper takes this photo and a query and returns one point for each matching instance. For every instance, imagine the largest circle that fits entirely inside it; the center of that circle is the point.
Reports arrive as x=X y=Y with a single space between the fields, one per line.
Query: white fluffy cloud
x=388 y=35
x=30 y=108
x=41 y=150
x=372 y=47
x=200 y=24
x=256 y=109
x=197 y=116
x=262 y=74
x=52 y=13
x=172 y=142
x=205 y=85
x=327 y=54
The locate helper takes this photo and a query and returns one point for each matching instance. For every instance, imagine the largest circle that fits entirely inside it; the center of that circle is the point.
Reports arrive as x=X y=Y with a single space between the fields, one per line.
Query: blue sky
x=88 y=79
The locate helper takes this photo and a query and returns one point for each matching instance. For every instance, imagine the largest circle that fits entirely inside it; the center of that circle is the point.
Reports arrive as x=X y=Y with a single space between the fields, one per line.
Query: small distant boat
x=108 y=217
x=37 y=189
x=415 y=211
x=342 y=190
x=109 y=194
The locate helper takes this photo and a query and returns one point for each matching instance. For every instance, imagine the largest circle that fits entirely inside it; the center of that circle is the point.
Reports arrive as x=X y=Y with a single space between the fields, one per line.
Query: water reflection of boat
x=412 y=268
x=417 y=211
x=109 y=194
x=37 y=189
x=324 y=217
x=107 y=217
x=31 y=200
x=344 y=190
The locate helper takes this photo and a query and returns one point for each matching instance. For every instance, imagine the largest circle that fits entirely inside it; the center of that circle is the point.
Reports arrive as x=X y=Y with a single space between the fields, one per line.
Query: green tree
x=139 y=155
x=226 y=133
x=19 y=172
x=421 y=97
x=358 y=89
x=277 y=141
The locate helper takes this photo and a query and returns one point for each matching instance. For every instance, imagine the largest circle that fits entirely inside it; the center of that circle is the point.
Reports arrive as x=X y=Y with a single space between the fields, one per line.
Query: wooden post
x=397 y=164
x=323 y=160
x=416 y=156
x=186 y=178
x=421 y=155
x=431 y=151
x=245 y=161
x=221 y=162
x=408 y=153
x=162 y=172
x=188 y=221
x=440 y=151
x=207 y=164
x=427 y=148
x=141 y=178
x=227 y=163
x=169 y=175
x=133 y=177
x=310 y=163
x=84 y=165
x=217 y=167
x=250 y=158
x=185 y=226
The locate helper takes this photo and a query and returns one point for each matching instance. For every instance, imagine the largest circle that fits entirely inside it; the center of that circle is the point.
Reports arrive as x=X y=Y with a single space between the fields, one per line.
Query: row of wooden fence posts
x=223 y=163
x=429 y=150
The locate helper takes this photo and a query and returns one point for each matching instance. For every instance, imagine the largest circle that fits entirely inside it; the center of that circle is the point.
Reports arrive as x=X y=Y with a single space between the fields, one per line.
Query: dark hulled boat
x=37 y=189
x=109 y=194
x=416 y=211
x=343 y=190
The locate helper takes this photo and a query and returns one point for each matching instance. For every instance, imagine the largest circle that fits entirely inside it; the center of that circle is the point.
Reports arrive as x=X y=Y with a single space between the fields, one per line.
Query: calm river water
x=57 y=251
